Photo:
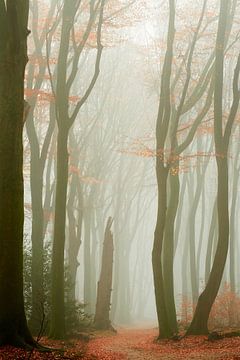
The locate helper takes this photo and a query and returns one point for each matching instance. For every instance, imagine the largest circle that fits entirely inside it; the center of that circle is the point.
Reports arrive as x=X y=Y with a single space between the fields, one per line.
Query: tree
x=167 y=163
x=222 y=138
x=65 y=120
x=38 y=159
x=101 y=319
x=13 y=59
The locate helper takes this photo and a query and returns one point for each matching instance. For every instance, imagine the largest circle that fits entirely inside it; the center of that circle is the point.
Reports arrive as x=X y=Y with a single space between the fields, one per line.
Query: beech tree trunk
x=101 y=319
x=210 y=243
x=37 y=248
x=168 y=250
x=164 y=328
x=13 y=59
x=64 y=122
x=75 y=230
x=206 y=299
x=57 y=330
x=87 y=263
x=222 y=137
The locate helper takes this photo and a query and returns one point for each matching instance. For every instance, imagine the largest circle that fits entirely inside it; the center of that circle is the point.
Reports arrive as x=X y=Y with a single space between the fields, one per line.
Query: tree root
x=218 y=336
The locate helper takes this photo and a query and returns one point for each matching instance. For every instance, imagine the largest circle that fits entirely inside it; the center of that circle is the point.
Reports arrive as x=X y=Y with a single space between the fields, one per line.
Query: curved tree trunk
x=206 y=299
x=164 y=328
x=210 y=243
x=222 y=137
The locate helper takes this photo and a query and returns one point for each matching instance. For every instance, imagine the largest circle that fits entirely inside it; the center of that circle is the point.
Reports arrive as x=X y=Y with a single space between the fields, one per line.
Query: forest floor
x=132 y=344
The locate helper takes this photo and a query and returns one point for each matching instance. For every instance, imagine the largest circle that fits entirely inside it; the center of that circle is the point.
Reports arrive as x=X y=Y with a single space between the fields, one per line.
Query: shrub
x=75 y=316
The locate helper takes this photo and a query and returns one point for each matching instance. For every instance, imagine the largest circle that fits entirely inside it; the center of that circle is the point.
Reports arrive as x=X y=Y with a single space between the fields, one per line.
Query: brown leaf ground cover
x=132 y=344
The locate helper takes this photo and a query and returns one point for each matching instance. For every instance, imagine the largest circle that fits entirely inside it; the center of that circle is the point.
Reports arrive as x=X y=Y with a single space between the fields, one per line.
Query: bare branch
x=97 y=67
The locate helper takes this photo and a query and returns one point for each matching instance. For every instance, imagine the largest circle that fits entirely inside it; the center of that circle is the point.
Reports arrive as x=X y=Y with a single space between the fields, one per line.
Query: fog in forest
x=131 y=165
x=112 y=148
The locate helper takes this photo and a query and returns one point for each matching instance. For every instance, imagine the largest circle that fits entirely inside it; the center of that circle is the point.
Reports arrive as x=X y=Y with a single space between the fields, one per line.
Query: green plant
x=75 y=315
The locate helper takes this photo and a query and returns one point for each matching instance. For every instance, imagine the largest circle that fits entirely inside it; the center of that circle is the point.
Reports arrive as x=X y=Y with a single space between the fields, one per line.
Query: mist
x=130 y=160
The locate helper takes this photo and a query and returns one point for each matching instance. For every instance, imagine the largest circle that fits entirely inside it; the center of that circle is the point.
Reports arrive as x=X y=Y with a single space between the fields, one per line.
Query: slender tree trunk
x=75 y=230
x=93 y=283
x=101 y=319
x=168 y=250
x=192 y=244
x=87 y=263
x=37 y=247
x=115 y=293
x=232 y=234
x=210 y=244
x=57 y=329
x=179 y=213
x=185 y=258
x=222 y=137
x=206 y=299
x=201 y=237
x=165 y=330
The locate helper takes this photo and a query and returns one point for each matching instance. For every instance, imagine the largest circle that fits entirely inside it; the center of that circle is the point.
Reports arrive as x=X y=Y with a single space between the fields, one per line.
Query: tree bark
x=164 y=329
x=13 y=59
x=222 y=137
x=168 y=250
x=206 y=299
x=57 y=330
x=104 y=290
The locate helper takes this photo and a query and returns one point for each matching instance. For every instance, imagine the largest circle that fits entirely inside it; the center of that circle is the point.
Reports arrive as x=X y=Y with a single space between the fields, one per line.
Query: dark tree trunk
x=13 y=59
x=87 y=262
x=222 y=137
x=206 y=299
x=168 y=250
x=192 y=216
x=65 y=81
x=104 y=289
x=57 y=318
x=210 y=244
x=165 y=330
x=162 y=171
x=37 y=247
x=75 y=231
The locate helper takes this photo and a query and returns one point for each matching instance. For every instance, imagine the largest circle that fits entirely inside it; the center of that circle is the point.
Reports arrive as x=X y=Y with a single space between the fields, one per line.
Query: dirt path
x=140 y=345
x=132 y=344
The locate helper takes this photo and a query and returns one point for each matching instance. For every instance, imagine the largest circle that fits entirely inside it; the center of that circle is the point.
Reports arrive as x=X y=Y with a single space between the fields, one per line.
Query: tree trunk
x=75 y=230
x=87 y=263
x=210 y=243
x=101 y=319
x=221 y=137
x=232 y=234
x=57 y=330
x=168 y=250
x=37 y=248
x=13 y=59
x=206 y=299
x=164 y=329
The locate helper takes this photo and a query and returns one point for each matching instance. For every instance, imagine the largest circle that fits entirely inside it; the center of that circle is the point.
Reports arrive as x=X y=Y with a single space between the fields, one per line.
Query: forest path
x=132 y=344
x=140 y=344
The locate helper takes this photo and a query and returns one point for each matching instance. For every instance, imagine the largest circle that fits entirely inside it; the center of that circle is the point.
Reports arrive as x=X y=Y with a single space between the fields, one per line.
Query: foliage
x=226 y=310
x=185 y=313
x=135 y=344
x=76 y=318
x=225 y=313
